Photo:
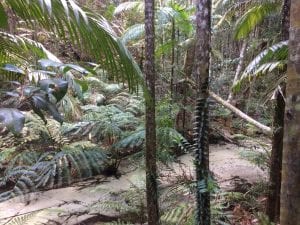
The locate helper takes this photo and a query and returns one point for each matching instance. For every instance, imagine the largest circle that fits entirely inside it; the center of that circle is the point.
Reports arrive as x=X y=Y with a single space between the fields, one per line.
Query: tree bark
x=290 y=186
x=151 y=170
x=273 y=203
x=201 y=75
x=238 y=70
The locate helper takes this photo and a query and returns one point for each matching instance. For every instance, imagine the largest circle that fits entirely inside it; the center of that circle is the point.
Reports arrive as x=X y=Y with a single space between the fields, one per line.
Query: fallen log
x=265 y=129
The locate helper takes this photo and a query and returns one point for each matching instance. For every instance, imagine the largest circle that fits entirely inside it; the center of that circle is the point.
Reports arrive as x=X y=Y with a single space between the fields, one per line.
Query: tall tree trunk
x=238 y=70
x=151 y=173
x=273 y=203
x=172 y=58
x=290 y=186
x=201 y=75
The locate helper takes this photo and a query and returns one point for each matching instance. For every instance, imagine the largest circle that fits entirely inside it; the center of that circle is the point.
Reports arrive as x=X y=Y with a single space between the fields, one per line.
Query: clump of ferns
x=102 y=123
x=179 y=205
x=118 y=222
x=70 y=107
x=130 y=205
x=250 y=200
x=36 y=170
x=169 y=143
x=129 y=103
x=35 y=134
x=100 y=86
x=32 y=218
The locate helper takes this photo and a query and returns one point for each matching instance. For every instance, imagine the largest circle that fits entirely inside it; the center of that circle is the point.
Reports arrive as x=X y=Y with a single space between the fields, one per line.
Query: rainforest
x=158 y=112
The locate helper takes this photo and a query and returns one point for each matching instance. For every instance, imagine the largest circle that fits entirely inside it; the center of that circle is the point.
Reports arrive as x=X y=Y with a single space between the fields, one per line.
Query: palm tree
x=290 y=186
x=88 y=31
x=201 y=75
x=151 y=173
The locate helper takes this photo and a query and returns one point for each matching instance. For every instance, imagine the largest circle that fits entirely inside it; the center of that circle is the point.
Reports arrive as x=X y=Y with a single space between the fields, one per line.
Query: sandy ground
x=71 y=205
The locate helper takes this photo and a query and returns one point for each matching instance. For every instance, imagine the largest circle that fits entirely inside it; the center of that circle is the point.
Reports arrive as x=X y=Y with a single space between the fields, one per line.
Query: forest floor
x=79 y=204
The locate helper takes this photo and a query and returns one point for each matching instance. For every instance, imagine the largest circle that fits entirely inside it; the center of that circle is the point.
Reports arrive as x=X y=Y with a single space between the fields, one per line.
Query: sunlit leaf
x=12 y=68
x=83 y=84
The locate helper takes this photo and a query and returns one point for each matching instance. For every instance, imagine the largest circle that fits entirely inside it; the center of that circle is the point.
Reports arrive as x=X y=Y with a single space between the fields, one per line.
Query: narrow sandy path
x=71 y=205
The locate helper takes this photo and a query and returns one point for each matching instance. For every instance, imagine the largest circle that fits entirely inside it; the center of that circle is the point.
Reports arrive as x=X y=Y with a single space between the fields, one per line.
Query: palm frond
x=132 y=33
x=253 y=17
x=128 y=6
x=84 y=29
x=272 y=58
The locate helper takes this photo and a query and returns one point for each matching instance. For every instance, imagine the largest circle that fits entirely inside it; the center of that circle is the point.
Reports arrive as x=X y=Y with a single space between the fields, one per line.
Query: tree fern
x=52 y=169
x=129 y=103
x=106 y=123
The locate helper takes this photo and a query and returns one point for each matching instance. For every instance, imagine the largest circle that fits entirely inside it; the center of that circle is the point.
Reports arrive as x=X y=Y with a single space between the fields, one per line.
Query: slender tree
x=201 y=75
x=149 y=69
x=290 y=186
x=273 y=203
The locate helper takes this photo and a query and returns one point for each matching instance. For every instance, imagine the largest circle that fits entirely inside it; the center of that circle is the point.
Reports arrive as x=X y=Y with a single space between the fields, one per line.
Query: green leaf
x=12 y=68
x=83 y=84
x=253 y=17
x=133 y=33
x=49 y=63
x=85 y=30
x=57 y=87
x=128 y=6
x=41 y=102
x=3 y=17
x=68 y=67
x=13 y=119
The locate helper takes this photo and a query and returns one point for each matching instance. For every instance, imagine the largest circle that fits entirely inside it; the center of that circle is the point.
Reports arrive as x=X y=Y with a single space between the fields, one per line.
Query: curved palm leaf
x=132 y=33
x=253 y=17
x=128 y=6
x=90 y=32
x=272 y=58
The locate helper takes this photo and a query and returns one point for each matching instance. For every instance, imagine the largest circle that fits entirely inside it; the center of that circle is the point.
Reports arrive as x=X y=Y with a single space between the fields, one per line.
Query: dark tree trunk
x=273 y=203
x=172 y=58
x=290 y=185
x=151 y=173
x=201 y=75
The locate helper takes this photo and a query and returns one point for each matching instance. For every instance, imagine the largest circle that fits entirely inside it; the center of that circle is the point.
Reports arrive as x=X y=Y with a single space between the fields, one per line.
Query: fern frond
x=54 y=169
x=134 y=140
x=178 y=215
x=24 y=219
x=103 y=123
